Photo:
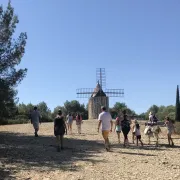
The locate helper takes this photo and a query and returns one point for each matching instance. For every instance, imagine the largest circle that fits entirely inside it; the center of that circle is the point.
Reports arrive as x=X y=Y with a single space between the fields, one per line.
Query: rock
x=164 y=162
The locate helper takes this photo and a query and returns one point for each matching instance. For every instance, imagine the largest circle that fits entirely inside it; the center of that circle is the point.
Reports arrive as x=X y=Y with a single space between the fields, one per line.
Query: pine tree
x=177 y=118
x=11 y=53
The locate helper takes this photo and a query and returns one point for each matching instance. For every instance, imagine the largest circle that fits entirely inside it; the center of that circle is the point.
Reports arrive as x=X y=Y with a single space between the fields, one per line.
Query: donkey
x=152 y=131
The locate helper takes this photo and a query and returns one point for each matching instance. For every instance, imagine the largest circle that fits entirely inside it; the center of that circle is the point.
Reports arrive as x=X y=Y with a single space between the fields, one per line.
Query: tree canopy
x=11 y=53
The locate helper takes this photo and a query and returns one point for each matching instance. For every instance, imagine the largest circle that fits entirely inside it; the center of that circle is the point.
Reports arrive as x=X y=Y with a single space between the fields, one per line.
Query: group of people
x=61 y=125
x=69 y=122
x=122 y=124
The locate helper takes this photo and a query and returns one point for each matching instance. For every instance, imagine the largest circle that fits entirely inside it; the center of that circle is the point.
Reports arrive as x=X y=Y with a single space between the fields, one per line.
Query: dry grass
x=23 y=156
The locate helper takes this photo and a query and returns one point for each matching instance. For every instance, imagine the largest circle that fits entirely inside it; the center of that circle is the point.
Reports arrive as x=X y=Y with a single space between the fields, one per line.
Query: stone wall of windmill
x=97 y=100
x=94 y=106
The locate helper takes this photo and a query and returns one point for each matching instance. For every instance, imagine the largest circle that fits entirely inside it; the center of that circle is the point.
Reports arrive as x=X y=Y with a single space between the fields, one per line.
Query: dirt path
x=22 y=156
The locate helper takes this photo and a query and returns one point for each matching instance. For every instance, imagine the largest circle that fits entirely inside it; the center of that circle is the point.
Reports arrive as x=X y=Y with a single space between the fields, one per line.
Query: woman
x=118 y=128
x=59 y=130
x=170 y=130
x=125 y=124
x=78 y=123
x=69 y=122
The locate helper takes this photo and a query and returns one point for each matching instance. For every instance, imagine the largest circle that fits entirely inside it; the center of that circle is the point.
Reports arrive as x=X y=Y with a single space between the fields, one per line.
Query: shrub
x=18 y=121
x=21 y=117
x=3 y=122
x=177 y=126
x=46 y=119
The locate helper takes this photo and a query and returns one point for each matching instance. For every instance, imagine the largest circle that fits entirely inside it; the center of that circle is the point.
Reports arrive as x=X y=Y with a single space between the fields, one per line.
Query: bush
x=46 y=119
x=3 y=122
x=177 y=126
x=13 y=121
x=21 y=117
x=18 y=121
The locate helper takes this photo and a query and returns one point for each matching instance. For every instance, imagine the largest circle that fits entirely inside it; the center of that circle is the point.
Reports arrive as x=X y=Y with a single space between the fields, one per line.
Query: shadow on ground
x=26 y=152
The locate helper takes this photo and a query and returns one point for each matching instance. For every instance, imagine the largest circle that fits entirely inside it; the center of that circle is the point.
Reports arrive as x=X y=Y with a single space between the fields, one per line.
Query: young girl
x=138 y=134
x=133 y=129
x=170 y=130
x=78 y=123
x=59 y=130
x=118 y=128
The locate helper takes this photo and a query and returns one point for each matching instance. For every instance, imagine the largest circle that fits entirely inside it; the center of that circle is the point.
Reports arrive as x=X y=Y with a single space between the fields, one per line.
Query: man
x=35 y=120
x=106 y=120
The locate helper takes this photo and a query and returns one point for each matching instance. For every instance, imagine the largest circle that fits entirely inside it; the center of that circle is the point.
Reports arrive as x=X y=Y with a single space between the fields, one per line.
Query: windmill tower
x=97 y=99
x=99 y=96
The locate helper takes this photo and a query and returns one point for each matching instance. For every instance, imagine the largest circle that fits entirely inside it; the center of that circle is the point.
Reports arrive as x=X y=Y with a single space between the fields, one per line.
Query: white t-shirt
x=106 y=119
x=138 y=132
x=151 y=118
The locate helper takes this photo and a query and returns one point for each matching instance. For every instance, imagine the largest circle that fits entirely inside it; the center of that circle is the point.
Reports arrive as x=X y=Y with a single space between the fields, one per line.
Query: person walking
x=59 y=130
x=35 y=120
x=138 y=134
x=133 y=129
x=105 y=120
x=125 y=124
x=118 y=127
x=69 y=120
x=78 y=123
x=170 y=129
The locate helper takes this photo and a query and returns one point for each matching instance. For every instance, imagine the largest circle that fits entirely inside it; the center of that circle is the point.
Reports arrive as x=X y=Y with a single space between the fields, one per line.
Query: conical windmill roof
x=98 y=91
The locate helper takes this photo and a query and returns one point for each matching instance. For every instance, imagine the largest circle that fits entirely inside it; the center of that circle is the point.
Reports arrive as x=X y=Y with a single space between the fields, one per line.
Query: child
x=170 y=130
x=134 y=130
x=138 y=134
x=118 y=128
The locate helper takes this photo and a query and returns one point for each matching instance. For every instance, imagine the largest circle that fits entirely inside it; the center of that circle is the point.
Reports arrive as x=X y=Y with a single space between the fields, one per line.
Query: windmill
x=98 y=96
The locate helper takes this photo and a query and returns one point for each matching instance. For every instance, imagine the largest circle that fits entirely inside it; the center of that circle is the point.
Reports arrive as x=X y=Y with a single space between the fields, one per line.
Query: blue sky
x=137 y=42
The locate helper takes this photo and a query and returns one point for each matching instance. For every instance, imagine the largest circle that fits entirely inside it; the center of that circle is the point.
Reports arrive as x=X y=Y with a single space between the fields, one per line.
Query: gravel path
x=24 y=157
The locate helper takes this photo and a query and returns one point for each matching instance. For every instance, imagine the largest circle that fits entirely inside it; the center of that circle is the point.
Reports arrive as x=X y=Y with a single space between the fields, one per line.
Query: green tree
x=177 y=112
x=73 y=106
x=142 y=116
x=119 y=107
x=154 y=109
x=56 y=109
x=160 y=114
x=45 y=112
x=11 y=53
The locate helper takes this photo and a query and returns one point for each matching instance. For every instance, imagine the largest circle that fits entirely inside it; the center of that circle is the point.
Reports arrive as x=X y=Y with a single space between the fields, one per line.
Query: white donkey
x=152 y=131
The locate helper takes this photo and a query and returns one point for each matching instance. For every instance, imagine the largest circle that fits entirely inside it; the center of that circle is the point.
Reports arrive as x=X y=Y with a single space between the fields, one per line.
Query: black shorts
x=138 y=137
x=118 y=131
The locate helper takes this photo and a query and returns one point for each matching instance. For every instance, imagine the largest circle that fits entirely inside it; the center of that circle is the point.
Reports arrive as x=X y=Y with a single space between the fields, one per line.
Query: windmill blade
x=84 y=92
x=114 y=92
x=101 y=77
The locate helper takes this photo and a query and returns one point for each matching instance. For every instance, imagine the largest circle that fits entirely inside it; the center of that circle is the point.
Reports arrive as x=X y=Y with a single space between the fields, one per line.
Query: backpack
x=125 y=124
